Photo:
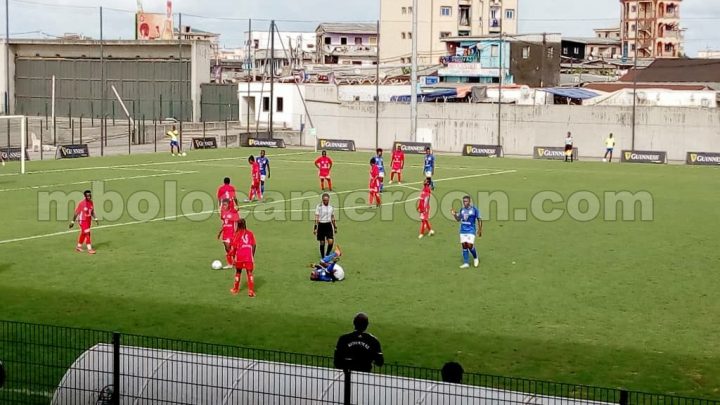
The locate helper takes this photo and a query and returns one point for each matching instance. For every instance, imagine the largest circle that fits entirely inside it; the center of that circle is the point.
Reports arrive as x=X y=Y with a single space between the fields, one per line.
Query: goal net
x=14 y=142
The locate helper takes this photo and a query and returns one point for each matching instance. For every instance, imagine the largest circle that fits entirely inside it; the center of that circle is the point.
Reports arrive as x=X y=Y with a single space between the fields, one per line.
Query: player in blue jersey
x=327 y=269
x=381 y=168
x=429 y=166
x=264 y=164
x=470 y=224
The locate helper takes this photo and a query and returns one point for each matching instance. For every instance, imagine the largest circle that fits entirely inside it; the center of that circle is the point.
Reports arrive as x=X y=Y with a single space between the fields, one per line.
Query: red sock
x=399 y=177
x=81 y=238
x=329 y=184
x=427 y=225
x=251 y=281
x=322 y=184
x=87 y=239
x=229 y=259
x=238 y=274
x=422 y=228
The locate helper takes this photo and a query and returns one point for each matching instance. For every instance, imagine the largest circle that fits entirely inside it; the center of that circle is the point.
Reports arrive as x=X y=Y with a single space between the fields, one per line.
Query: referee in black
x=325 y=227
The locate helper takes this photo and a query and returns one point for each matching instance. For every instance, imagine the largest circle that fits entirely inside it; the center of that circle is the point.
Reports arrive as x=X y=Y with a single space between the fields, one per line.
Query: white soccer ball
x=216 y=265
x=184 y=154
x=339 y=272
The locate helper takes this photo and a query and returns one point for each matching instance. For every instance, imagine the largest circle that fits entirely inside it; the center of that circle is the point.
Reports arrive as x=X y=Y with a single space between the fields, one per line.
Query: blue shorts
x=174 y=143
x=609 y=150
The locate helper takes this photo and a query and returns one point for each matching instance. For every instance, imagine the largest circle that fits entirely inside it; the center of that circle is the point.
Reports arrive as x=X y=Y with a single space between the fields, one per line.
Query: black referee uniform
x=325 y=215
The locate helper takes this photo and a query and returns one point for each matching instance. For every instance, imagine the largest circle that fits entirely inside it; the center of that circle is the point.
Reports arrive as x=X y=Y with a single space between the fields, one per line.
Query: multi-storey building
x=346 y=43
x=651 y=28
x=437 y=20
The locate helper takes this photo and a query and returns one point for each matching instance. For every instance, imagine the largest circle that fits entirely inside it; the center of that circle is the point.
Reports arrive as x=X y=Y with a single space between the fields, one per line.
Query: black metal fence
x=60 y=365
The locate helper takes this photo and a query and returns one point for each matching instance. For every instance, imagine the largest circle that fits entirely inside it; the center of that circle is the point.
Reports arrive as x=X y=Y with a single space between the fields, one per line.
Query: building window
x=409 y=35
x=358 y=40
x=343 y=40
x=510 y=14
x=526 y=52
x=266 y=104
x=403 y=35
x=494 y=50
x=328 y=40
x=463 y=33
x=256 y=43
x=404 y=10
x=550 y=52
x=279 y=104
x=633 y=9
x=445 y=34
x=372 y=40
x=446 y=11
x=409 y=10
x=464 y=15
x=565 y=50
x=576 y=51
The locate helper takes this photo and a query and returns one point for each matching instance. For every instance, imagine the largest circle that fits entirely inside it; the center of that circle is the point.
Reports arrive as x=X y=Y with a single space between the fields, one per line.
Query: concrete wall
x=675 y=130
x=292 y=114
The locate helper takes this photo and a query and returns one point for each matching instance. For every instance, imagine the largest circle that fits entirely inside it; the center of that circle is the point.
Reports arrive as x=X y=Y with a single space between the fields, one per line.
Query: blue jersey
x=329 y=258
x=325 y=274
x=468 y=220
x=380 y=164
x=429 y=162
x=263 y=162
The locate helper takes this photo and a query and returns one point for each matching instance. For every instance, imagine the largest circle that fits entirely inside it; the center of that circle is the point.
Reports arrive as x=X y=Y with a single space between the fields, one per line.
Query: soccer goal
x=13 y=140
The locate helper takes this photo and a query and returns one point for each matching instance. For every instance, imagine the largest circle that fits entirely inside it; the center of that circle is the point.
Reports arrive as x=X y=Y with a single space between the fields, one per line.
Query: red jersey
x=255 y=173
x=324 y=164
x=398 y=159
x=374 y=178
x=242 y=245
x=424 y=201
x=229 y=219
x=227 y=192
x=84 y=212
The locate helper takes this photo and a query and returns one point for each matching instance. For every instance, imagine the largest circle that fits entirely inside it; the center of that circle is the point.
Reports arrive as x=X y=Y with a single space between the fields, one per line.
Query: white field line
x=387 y=171
x=173 y=217
x=42 y=186
x=356 y=206
x=130 y=166
x=29 y=392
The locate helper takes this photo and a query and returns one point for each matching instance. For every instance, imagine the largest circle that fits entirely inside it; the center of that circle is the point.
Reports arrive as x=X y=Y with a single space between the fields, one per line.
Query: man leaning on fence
x=358 y=350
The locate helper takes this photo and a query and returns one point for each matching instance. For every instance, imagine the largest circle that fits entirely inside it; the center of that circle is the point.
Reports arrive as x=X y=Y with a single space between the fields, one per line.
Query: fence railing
x=59 y=365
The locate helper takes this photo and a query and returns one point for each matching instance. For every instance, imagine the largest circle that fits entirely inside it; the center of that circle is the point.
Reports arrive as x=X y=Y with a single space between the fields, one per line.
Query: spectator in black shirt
x=358 y=350
x=452 y=372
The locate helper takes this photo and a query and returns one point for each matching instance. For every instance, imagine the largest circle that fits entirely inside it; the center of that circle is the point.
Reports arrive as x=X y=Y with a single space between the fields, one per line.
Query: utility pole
x=7 y=57
x=544 y=55
x=414 y=74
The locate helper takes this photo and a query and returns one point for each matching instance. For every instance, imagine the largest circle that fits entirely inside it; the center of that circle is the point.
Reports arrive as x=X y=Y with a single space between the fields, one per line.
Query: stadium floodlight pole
x=52 y=109
x=7 y=57
x=248 y=61
x=635 y=74
x=500 y=82
x=414 y=74
x=377 y=87
x=272 y=76
x=103 y=135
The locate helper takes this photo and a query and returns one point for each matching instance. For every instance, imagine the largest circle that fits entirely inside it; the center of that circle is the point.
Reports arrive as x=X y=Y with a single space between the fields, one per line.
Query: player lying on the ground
x=328 y=269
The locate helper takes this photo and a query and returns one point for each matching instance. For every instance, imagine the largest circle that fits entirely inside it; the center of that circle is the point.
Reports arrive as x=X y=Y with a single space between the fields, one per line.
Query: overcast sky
x=32 y=18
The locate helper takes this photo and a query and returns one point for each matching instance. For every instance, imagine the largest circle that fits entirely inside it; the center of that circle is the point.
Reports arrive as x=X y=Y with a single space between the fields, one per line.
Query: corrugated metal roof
x=348 y=28
x=593 y=40
x=678 y=71
x=575 y=93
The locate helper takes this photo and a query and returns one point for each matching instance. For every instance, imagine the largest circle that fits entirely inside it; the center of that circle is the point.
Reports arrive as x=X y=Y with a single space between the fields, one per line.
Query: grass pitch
x=620 y=303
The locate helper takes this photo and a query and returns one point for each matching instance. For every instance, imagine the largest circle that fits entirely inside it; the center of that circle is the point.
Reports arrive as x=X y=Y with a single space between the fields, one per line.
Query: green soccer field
x=572 y=286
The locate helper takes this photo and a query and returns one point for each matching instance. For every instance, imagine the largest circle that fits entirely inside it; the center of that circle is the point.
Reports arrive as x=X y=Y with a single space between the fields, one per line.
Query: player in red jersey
x=423 y=207
x=374 y=185
x=84 y=214
x=255 y=191
x=398 y=164
x=243 y=253
x=324 y=165
x=227 y=192
x=229 y=219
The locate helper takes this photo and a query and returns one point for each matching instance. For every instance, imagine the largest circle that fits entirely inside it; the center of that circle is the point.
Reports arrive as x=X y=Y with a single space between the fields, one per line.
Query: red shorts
x=245 y=265
x=424 y=216
x=396 y=167
x=227 y=236
x=85 y=227
x=324 y=174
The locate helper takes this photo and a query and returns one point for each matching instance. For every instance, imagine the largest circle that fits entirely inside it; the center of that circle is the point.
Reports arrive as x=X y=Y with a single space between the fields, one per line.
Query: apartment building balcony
x=494 y=25
x=349 y=50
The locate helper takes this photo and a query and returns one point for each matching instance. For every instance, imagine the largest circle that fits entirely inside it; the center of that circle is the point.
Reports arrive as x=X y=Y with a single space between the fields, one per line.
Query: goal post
x=11 y=148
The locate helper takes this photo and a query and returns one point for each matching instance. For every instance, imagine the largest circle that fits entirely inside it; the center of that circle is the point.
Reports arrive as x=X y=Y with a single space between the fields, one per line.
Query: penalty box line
x=173 y=217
